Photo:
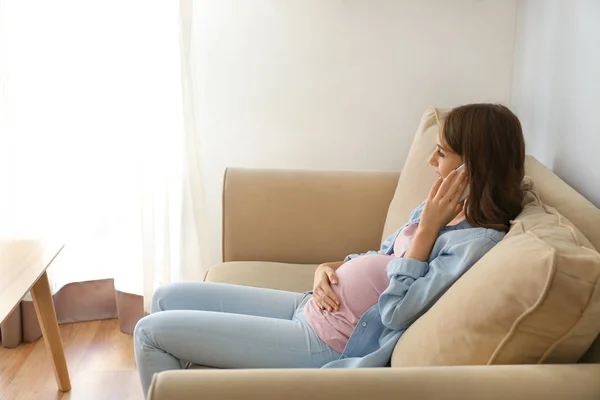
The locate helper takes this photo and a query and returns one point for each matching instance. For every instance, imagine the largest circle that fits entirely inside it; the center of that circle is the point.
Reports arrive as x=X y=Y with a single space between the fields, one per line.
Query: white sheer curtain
x=174 y=223
x=94 y=148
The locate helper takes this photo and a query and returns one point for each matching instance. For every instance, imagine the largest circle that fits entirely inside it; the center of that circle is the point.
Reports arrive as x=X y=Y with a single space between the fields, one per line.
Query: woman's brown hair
x=490 y=141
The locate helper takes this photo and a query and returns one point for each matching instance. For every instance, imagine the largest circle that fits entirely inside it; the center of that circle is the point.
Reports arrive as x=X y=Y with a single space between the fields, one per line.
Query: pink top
x=360 y=283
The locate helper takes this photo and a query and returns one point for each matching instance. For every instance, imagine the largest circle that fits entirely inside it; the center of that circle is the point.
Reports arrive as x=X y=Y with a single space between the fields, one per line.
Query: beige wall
x=337 y=84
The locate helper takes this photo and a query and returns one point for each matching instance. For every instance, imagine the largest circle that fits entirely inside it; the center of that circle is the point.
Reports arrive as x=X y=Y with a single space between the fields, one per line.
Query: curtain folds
x=99 y=149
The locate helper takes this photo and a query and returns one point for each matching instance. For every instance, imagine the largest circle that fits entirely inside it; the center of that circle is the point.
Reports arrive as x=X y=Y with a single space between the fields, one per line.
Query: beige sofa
x=279 y=225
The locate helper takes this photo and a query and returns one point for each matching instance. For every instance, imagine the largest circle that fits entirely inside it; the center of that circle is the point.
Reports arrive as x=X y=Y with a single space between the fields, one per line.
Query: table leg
x=44 y=308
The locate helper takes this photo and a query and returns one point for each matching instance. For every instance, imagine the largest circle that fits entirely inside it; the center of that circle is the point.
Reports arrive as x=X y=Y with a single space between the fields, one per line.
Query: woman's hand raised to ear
x=324 y=296
x=443 y=204
x=441 y=207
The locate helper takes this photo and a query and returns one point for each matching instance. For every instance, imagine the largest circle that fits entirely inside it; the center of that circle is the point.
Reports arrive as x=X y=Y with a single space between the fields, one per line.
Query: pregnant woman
x=358 y=308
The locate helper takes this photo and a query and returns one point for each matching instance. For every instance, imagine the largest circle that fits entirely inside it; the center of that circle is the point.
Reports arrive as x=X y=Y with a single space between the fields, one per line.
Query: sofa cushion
x=272 y=275
x=533 y=298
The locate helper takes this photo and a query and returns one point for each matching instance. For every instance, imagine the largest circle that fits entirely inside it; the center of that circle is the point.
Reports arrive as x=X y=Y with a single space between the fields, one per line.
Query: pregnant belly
x=361 y=282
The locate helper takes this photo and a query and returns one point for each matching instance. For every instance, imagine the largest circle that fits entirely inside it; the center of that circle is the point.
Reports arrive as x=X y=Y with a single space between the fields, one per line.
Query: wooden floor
x=100 y=360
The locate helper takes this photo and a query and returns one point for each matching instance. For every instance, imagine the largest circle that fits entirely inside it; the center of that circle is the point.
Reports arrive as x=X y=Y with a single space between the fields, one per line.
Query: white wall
x=337 y=84
x=556 y=87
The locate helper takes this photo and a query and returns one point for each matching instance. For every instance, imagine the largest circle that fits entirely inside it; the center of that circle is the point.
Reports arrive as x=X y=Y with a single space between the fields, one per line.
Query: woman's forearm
x=421 y=245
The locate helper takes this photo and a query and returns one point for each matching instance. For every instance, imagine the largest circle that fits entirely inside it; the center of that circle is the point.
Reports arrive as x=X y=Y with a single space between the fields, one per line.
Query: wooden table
x=23 y=265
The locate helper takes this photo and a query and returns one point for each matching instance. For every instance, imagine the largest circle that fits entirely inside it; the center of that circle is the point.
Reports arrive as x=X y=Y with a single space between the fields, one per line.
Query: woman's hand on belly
x=323 y=294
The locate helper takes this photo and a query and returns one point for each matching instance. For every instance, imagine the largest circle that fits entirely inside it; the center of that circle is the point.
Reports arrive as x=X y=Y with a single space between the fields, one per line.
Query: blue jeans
x=226 y=326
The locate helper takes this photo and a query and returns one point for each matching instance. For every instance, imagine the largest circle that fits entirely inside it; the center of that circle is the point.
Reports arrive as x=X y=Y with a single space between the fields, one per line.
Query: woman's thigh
x=226 y=298
x=224 y=340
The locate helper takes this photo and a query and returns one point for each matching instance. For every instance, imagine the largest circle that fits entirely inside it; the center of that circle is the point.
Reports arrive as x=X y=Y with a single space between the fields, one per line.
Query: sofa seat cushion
x=534 y=298
x=271 y=275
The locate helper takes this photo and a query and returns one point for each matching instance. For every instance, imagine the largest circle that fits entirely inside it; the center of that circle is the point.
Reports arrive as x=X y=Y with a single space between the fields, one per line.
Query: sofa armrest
x=525 y=382
x=303 y=217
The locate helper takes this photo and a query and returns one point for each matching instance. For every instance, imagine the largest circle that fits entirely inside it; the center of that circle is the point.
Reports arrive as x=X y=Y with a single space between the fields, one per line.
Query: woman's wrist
x=421 y=244
x=427 y=231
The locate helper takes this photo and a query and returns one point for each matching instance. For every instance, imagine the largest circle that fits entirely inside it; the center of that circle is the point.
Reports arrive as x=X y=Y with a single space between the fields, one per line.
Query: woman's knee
x=164 y=295
x=143 y=330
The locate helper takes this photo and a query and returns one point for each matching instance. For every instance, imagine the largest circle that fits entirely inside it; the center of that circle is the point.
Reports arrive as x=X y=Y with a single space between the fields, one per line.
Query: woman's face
x=443 y=159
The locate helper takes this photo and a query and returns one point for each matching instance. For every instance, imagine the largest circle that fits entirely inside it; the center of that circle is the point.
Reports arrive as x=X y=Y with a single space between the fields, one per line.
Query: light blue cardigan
x=414 y=287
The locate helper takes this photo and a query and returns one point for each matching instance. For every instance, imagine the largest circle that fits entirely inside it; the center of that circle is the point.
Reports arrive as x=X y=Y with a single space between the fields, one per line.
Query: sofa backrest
x=303 y=216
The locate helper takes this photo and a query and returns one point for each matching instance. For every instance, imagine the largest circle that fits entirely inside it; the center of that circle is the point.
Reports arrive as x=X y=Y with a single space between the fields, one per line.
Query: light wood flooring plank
x=100 y=360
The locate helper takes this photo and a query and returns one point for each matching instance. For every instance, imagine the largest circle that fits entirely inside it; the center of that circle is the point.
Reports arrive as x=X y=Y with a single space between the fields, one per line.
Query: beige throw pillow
x=533 y=298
